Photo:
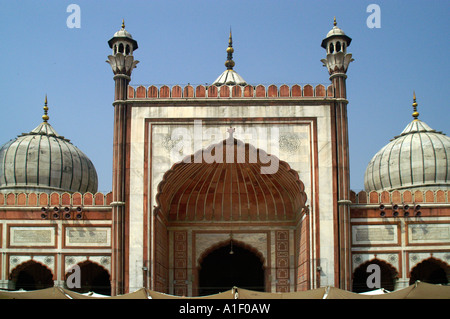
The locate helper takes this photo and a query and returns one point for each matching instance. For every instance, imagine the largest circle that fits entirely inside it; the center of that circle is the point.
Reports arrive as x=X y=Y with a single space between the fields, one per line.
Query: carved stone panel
x=428 y=233
x=374 y=234
x=88 y=236
x=32 y=236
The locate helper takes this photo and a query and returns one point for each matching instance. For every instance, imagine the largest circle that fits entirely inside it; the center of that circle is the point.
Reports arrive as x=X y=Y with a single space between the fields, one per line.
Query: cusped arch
x=92 y=277
x=237 y=187
x=82 y=263
x=25 y=264
x=423 y=271
x=380 y=262
x=388 y=275
x=31 y=275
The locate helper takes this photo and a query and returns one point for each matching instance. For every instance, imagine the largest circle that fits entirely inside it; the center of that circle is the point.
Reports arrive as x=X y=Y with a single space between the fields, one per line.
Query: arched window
x=127 y=52
x=115 y=48
x=338 y=46
x=331 y=48
x=121 y=49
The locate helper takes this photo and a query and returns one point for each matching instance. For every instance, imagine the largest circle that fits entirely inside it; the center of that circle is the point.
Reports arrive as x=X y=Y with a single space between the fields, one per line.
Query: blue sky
x=180 y=42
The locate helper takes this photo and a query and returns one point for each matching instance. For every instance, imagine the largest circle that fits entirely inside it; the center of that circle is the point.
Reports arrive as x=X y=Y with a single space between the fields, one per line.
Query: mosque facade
x=222 y=185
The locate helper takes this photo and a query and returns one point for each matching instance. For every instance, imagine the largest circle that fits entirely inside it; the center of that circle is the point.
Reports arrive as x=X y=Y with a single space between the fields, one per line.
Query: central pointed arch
x=229 y=181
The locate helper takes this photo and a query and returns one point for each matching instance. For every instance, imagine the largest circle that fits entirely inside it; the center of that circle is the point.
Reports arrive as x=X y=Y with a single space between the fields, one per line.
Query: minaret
x=122 y=63
x=337 y=61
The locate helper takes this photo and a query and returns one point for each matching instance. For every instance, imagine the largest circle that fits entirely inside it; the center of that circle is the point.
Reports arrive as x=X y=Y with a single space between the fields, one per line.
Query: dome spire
x=123 y=23
x=229 y=63
x=415 y=113
x=229 y=76
x=334 y=22
x=45 y=117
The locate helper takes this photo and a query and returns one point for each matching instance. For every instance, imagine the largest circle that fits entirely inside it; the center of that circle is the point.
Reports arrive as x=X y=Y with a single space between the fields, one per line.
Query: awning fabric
x=47 y=293
x=423 y=290
x=308 y=294
x=419 y=290
x=138 y=294
x=229 y=294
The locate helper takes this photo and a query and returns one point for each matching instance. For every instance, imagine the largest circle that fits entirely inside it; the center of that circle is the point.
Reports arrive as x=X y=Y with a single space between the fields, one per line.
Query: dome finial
x=45 y=117
x=334 y=22
x=229 y=63
x=123 y=23
x=415 y=113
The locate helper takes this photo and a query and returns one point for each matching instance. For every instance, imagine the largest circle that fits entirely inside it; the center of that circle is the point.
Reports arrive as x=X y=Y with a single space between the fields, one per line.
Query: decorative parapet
x=398 y=197
x=230 y=91
x=55 y=199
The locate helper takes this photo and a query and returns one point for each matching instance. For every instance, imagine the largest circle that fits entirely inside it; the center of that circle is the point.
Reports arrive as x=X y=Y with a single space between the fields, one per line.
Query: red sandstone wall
x=55 y=199
x=399 y=197
x=161 y=258
x=302 y=255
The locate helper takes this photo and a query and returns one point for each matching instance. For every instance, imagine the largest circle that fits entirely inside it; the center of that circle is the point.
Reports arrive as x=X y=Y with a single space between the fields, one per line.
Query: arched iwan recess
x=229 y=181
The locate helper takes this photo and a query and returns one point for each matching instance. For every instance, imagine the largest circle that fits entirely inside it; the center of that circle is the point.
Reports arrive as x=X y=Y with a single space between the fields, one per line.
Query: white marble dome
x=43 y=161
x=418 y=158
x=229 y=77
x=122 y=33
x=336 y=33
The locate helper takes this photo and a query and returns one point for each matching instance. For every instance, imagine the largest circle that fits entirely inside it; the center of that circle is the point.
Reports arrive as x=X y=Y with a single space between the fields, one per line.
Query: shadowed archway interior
x=387 y=273
x=31 y=275
x=93 y=278
x=432 y=271
x=229 y=266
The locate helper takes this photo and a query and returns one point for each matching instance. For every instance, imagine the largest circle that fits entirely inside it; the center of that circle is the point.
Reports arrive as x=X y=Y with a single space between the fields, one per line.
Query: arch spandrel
x=230 y=180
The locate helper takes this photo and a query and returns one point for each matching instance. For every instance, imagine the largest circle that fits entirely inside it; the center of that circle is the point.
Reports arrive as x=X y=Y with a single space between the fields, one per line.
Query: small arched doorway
x=31 y=275
x=431 y=271
x=93 y=278
x=230 y=266
x=388 y=276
